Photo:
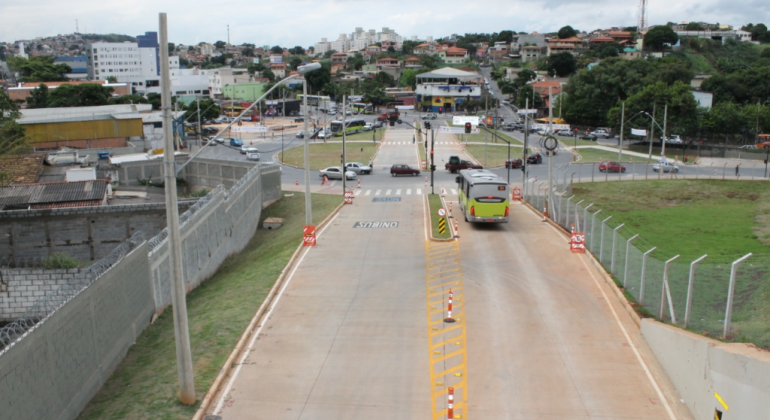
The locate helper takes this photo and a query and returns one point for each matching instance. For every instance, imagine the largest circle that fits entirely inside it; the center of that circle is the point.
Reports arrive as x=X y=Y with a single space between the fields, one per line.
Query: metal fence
x=46 y=306
x=719 y=296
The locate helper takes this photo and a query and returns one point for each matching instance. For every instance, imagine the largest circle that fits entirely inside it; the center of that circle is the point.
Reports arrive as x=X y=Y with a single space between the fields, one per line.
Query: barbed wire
x=46 y=306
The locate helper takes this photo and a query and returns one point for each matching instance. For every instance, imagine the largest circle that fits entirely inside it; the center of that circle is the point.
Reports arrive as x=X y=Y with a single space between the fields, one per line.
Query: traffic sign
x=456 y=130
x=578 y=243
x=308 y=234
x=441 y=212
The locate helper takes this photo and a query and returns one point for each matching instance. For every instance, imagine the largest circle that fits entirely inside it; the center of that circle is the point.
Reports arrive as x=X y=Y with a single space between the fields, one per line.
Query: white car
x=566 y=133
x=368 y=126
x=667 y=167
x=672 y=139
x=358 y=168
x=325 y=134
x=335 y=172
x=248 y=149
x=252 y=156
x=601 y=132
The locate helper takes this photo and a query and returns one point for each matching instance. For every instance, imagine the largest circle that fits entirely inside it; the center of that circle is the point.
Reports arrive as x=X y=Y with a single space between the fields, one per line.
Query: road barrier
x=457 y=234
x=450 y=403
x=359 y=182
x=325 y=181
x=449 y=318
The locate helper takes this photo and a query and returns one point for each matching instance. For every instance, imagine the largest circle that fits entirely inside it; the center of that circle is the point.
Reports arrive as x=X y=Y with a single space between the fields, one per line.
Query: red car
x=513 y=163
x=403 y=170
x=611 y=166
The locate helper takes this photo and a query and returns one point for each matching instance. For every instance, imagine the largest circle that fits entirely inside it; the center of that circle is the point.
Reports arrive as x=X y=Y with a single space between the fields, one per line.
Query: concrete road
x=542 y=335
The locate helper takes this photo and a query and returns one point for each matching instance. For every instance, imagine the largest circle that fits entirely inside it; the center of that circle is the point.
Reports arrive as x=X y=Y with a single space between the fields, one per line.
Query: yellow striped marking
x=446 y=341
x=721 y=401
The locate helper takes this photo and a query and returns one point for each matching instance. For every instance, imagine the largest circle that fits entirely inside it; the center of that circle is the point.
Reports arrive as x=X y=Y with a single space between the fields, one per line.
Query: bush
x=60 y=260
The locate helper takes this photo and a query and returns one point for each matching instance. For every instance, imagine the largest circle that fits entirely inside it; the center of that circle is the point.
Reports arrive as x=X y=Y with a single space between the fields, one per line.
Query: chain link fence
x=718 y=296
x=46 y=306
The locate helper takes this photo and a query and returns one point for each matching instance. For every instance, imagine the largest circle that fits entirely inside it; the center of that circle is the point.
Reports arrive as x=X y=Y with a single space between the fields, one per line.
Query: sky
x=289 y=23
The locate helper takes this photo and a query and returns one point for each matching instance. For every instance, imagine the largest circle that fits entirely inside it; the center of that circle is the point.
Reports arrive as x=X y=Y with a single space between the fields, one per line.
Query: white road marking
x=368 y=192
x=387 y=192
x=409 y=191
x=358 y=192
x=454 y=191
x=377 y=192
x=419 y=191
x=398 y=192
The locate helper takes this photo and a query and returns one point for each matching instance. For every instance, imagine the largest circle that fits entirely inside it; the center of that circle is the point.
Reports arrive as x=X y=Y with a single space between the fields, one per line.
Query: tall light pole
x=308 y=205
x=178 y=291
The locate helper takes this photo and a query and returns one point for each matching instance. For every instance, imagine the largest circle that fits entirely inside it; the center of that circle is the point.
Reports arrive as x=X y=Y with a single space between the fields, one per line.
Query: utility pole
x=432 y=162
x=344 y=135
x=620 y=139
x=178 y=293
x=526 y=138
x=663 y=142
x=652 y=130
x=550 y=153
x=200 y=128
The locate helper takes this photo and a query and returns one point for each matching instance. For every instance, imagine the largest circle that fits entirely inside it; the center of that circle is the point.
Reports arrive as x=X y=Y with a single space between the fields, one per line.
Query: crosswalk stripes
x=405 y=143
x=387 y=192
x=357 y=193
x=377 y=192
x=408 y=191
x=368 y=192
x=398 y=191
x=393 y=192
x=454 y=191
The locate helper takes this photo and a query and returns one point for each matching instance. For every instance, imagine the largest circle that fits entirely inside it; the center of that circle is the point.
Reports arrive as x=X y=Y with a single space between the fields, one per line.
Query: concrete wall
x=65 y=359
x=211 y=172
x=85 y=233
x=699 y=367
x=219 y=225
x=20 y=288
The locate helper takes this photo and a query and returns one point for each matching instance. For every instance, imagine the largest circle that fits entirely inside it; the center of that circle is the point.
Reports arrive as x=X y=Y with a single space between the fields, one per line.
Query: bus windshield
x=489 y=193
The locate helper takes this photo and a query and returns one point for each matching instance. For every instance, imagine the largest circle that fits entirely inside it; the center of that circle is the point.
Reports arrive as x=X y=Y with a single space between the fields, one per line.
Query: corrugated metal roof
x=51 y=193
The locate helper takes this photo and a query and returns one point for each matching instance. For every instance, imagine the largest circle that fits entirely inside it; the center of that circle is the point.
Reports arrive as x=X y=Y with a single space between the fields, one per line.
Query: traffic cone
x=359 y=182
x=325 y=180
x=449 y=318
x=545 y=211
x=296 y=183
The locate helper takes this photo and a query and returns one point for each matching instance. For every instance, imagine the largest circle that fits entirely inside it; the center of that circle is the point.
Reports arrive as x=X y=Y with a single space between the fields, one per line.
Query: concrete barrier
x=701 y=368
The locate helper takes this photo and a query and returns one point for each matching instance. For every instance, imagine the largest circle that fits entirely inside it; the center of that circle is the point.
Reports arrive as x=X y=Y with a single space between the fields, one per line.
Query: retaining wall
x=53 y=371
x=700 y=366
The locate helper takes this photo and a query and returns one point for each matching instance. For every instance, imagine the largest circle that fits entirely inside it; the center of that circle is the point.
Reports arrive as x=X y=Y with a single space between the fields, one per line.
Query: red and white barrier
x=426 y=180
x=450 y=404
x=450 y=209
x=457 y=235
x=296 y=183
x=359 y=182
x=325 y=181
x=443 y=191
x=449 y=309
x=545 y=212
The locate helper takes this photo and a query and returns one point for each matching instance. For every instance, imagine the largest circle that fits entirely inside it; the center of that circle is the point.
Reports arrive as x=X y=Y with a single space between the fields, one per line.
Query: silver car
x=667 y=167
x=358 y=168
x=335 y=172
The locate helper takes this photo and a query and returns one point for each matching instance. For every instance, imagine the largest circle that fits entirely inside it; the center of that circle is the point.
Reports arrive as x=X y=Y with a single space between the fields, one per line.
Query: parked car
x=603 y=133
x=563 y=132
x=749 y=147
x=378 y=124
x=512 y=126
x=245 y=150
x=429 y=116
x=399 y=169
x=358 y=168
x=666 y=166
x=253 y=156
x=672 y=139
x=513 y=163
x=588 y=136
x=299 y=119
x=212 y=139
x=535 y=158
x=368 y=126
x=335 y=172
x=611 y=166
x=235 y=142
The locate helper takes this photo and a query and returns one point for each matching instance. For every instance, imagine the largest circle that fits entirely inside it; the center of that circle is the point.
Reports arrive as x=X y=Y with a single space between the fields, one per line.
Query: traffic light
x=467 y=128
x=440 y=110
x=426 y=124
x=433 y=168
x=431 y=154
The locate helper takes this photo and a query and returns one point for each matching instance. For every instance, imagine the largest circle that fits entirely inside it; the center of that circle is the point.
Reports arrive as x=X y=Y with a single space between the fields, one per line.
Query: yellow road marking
x=446 y=341
x=721 y=401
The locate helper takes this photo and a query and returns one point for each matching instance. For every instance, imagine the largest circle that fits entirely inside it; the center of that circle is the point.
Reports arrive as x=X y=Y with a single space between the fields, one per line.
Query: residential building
x=522 y=40
x=78 y=64
x=573 y=45
x=412 y=62
x=426 y=48
x=446 y=89
x=222 y=77
x=339 y=58
x=531 y=53
x=498 y=51
x=453 y=55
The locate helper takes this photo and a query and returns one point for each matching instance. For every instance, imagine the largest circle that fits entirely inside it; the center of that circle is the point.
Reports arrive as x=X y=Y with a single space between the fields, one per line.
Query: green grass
x=687 y=217
x=699 y=63
x=480 y=138
x=144 y=385
x=597 y=155
x=323 y=155
x=435 y=203
x=496 y=154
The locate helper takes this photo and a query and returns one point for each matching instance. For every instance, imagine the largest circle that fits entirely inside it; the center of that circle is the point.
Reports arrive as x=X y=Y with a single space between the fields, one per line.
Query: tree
x=38 y=69
x=523 y=77
x=171 y=48
x=297 y=50
x=407 y=47
x=504 y=36
x=408 y=78
x=255 y=68
x=562 y=64
x=87 y=94
x=267 y=73
x=128 y=99
x=154 y=99
x=112 y=79
x=567 y=32
x=276 y=49
x=694 y=26
x=295 y=62
x=682 y=114
x=385 y=79
x=428 y=61
x=391 y=49
x=373 y=92
x=247 y=52
x=318 y=78
x=12 y=137
x=610 y=49
x=38 y=98
x=220 y=45
x=659 y=36
x=208 y=108
x=528 y=92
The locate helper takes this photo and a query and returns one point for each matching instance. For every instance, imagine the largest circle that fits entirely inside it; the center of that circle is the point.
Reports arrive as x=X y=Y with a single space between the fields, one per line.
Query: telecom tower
x=642 y=24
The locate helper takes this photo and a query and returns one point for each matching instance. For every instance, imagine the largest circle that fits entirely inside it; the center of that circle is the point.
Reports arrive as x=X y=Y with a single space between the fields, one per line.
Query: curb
x=230 y=362
x=430 y=219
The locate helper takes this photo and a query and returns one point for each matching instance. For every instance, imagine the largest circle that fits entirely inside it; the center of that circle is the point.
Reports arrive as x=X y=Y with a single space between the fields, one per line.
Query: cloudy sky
x=303 y=22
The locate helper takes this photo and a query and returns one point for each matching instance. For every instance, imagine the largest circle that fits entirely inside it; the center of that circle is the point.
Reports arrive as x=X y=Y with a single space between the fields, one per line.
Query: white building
x=222 y=77
x=135 y=63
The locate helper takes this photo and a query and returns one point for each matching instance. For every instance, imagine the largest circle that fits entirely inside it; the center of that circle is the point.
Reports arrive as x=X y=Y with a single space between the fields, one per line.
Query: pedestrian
x=414 y=139
x=737 y=168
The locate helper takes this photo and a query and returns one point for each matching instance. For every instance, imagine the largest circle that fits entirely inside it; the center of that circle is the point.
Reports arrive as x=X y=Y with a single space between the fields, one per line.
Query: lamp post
x=308 y=206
